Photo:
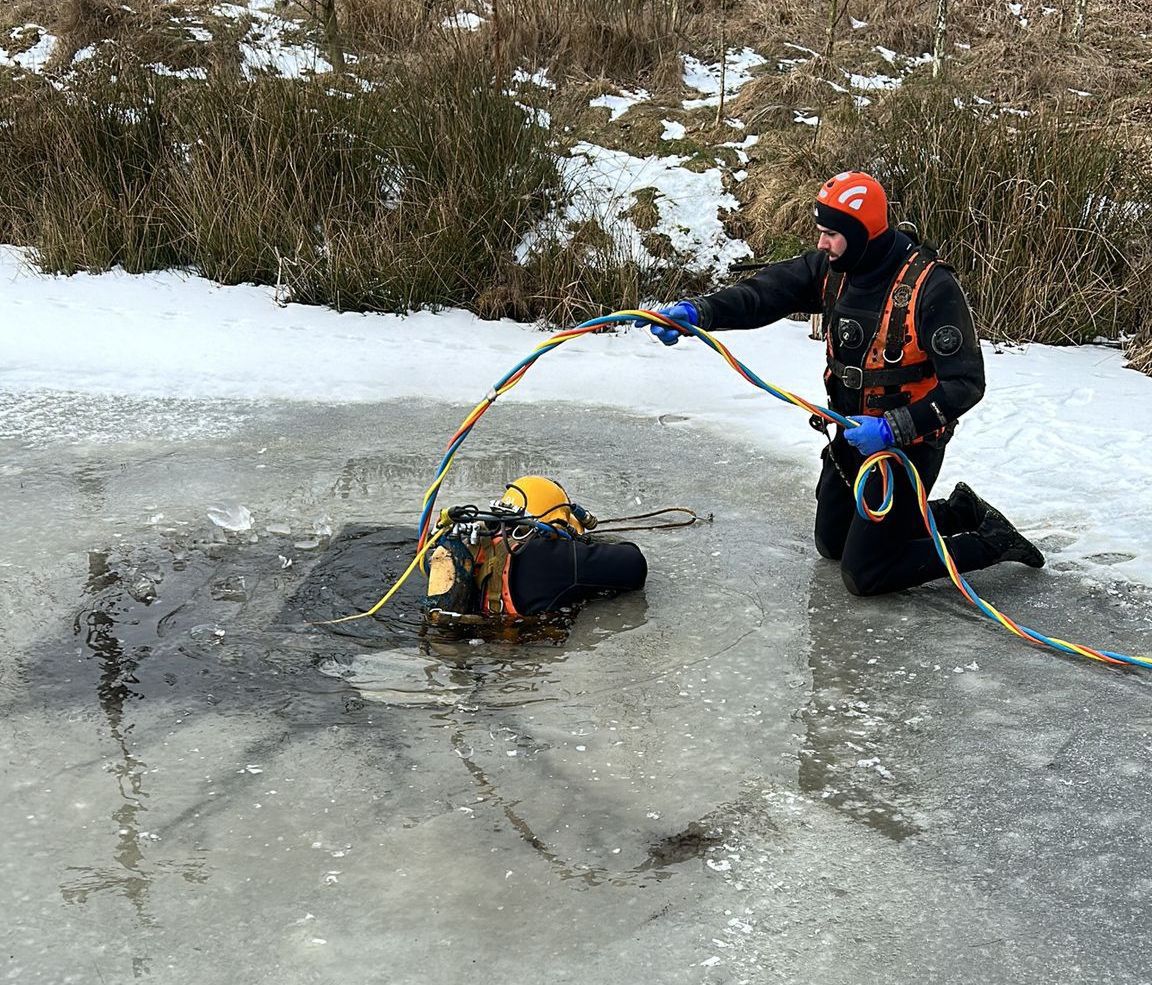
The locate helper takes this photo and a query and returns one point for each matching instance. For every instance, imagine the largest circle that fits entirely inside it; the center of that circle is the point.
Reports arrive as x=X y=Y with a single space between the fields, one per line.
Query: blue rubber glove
x=871 y=436
x=683 y=311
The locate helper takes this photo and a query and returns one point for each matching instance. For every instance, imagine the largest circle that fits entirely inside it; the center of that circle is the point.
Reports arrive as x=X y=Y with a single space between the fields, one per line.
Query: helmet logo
x=856 y=193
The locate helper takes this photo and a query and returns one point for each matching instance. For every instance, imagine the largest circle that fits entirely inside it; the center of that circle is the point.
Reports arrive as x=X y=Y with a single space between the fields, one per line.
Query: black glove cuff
x=703 y=312
x=902 y=425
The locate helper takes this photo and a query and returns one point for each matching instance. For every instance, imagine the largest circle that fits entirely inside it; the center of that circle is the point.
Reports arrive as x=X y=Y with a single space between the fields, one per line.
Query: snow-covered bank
x=1058 y=442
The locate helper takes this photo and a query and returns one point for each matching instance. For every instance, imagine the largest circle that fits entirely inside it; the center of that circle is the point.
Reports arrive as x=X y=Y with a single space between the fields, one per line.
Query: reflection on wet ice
x=845 y=720
x=371 y=475
x=97 y=624
x=401 y=677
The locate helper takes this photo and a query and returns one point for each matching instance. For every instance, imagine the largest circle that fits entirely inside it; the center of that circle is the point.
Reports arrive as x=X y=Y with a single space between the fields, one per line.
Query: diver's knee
x=826 y=550
x=860 y=584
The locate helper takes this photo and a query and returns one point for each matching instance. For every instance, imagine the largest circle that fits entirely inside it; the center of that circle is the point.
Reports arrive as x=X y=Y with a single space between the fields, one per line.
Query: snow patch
x=619 y=105
x=35 y=58
x=462 y=20
x=689 y=206
x=705 y=78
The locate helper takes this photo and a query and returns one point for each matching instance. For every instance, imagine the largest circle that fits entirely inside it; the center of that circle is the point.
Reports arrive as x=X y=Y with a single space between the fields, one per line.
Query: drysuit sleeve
x=774 y=293
x=946 y=332
x=547 y=574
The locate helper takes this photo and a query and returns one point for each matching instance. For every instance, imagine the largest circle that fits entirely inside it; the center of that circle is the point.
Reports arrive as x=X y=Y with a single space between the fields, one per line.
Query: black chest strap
x=902 y=294
x=855 y=378
x=833 y=285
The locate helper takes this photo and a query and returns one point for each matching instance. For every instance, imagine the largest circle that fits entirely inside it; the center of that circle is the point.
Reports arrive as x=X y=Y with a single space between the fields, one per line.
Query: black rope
x=495 y=519
x=693 y=518
x=819 y=424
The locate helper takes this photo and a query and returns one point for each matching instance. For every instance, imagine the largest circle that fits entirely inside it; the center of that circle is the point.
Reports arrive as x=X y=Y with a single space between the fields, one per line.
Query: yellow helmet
x=541 y=498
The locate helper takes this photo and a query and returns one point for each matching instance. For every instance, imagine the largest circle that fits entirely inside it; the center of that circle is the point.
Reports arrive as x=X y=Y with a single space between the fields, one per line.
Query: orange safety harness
x=493 y=563
x=467 y=577
x=896 y=371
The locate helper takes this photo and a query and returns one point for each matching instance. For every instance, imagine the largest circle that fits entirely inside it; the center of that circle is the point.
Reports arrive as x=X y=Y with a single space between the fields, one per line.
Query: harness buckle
x=852 y=377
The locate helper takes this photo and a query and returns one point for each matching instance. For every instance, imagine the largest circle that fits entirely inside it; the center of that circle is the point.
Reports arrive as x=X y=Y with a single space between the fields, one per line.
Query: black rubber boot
x=1003 y=538
x=967 y=507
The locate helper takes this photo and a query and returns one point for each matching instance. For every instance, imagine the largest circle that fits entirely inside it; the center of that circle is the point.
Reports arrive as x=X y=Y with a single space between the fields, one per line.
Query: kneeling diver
x=528 y=554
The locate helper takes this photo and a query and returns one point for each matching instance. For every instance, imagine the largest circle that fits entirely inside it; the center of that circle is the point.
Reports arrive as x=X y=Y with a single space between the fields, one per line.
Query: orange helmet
x=855 y=205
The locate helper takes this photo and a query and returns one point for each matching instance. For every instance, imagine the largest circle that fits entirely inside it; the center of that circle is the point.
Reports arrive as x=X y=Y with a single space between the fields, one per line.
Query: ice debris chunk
x=230 y=516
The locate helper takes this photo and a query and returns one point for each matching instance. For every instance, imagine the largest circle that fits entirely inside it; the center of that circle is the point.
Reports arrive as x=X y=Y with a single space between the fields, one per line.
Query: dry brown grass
x=622 y=39
x=597 y=46
x=638 y=41
x=17 y=12
x=1032 y=71
x=1139 y=347
x=576 y=39
x=391 y=26
x=143 y=31
x=768 y=102
x=990 y=52
x=1140 y=352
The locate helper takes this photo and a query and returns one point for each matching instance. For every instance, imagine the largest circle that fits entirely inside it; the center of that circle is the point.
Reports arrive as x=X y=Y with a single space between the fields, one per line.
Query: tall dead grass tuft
x=414 y=193
x=1139 y=351
x=619 y=39
x=1045 y=218
x=1036 y=70
x=395 y=26
x=87 y=173
x=574 y=279
x=146 y=27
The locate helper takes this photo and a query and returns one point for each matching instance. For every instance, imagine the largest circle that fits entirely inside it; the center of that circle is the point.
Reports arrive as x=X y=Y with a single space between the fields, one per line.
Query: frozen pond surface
x=740 y=775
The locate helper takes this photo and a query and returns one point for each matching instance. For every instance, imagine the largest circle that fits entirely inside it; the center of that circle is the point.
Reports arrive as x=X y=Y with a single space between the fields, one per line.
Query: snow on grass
x=619 y=104
x=689 y=205
x=538 y=78
x=463 y=20
x=265 y=48
x=33 y=59
x=706 y=78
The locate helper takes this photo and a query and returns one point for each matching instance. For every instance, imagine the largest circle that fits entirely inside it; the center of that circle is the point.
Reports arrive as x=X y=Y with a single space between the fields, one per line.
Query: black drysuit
x=548 y=573
x=895 y=553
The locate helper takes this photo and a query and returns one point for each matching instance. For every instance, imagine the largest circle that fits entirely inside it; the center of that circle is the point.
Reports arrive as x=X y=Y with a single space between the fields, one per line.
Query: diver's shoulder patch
x=850 y=333
x=946 y=340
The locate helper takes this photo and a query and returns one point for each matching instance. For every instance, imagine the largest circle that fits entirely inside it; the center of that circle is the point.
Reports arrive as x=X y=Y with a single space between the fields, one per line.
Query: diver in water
x=529 y=554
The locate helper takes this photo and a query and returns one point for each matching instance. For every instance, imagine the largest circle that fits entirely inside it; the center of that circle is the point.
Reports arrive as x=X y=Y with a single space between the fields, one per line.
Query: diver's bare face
x=831 y=242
